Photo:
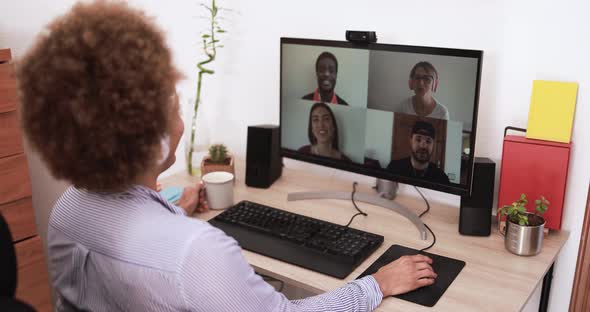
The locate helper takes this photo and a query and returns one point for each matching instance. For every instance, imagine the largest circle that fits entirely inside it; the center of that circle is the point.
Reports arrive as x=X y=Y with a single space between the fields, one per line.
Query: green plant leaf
x=504 y=210
x=541 y=205
x=206 y=36
x=221 y=31
x=206 y=7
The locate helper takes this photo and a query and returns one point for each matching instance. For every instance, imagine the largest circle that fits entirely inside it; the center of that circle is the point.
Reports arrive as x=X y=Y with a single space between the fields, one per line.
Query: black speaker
x=263 y=156
x=475 y=217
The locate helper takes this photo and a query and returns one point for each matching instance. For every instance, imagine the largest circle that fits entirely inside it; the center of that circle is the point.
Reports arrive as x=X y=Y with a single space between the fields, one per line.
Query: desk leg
x=545 y=290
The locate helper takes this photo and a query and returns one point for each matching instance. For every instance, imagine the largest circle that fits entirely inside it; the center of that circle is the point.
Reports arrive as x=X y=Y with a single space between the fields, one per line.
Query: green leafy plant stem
x=210 y=48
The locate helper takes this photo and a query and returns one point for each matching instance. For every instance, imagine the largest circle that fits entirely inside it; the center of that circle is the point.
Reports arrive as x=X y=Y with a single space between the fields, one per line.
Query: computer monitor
x=395 y=112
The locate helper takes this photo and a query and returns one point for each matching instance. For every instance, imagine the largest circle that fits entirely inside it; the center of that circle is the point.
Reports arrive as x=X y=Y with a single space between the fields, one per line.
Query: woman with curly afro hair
x=99 y=105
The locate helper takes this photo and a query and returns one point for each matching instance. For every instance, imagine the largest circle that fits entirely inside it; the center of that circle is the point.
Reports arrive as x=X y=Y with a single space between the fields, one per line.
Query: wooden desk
x=493 y=278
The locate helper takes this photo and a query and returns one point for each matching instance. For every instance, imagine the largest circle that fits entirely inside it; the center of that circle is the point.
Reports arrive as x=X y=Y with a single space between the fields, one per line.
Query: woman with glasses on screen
x=98 y=103
x=322 y=132
x=424 y=82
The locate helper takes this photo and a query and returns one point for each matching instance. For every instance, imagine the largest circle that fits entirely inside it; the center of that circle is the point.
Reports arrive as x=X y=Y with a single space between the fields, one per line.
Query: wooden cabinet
x=15 y=197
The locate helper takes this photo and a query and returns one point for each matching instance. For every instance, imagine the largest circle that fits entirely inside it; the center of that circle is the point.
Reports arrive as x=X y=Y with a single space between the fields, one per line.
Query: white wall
x=522 y=41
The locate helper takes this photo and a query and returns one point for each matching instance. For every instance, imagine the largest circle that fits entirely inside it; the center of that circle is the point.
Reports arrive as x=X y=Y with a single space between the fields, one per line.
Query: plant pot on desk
x=209 y=166
x=525 y=240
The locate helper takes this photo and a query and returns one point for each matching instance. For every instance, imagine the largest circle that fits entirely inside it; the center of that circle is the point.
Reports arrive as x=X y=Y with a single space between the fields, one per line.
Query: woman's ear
x=165 y=149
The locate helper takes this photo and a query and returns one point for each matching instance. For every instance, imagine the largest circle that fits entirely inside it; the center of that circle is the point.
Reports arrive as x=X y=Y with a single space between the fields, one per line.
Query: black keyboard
x=317 y=245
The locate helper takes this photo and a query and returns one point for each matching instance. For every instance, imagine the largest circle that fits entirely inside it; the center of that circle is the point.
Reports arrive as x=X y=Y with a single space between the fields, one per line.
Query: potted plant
x=524 y=230
x=217 y=160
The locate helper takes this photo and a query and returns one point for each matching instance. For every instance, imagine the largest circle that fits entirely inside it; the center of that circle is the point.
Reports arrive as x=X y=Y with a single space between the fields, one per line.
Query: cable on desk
x=360 y=212
x=420 y=216
x=433 y=239
x=427 y=204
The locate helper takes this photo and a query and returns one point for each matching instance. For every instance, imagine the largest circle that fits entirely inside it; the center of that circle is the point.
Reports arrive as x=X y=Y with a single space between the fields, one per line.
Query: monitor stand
x=386 y=189
x=374 y=199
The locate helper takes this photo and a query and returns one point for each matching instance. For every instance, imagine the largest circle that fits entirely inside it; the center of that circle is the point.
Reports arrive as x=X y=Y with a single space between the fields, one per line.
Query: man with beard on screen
x=418 y=163
x=326 y=70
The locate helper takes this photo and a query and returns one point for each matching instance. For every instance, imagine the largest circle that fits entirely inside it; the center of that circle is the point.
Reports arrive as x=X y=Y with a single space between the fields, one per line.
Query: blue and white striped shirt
x=134 y=251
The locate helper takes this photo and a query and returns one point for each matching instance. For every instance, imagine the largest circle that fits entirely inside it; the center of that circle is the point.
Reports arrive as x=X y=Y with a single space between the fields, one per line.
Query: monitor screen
x=395 y=112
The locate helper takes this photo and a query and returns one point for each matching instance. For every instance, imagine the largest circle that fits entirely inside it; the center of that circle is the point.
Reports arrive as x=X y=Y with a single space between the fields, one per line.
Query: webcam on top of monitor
x=361 y=36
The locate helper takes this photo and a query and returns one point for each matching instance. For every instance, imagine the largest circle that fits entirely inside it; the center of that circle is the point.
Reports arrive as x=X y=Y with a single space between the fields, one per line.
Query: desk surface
x=493 y=278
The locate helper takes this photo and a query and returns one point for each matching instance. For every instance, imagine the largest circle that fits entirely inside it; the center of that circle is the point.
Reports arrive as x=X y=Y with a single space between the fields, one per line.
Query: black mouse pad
x=446 y=268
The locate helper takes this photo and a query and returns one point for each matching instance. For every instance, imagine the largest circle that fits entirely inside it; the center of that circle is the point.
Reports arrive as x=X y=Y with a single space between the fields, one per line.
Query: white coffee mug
x=219 y=188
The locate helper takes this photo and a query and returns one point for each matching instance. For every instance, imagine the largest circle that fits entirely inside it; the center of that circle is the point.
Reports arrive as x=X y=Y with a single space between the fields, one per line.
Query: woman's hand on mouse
x=193 y=199
x=405 y=274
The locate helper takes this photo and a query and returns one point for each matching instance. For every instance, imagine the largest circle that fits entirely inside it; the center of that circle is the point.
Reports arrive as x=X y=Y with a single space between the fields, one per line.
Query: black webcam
x=359 y=36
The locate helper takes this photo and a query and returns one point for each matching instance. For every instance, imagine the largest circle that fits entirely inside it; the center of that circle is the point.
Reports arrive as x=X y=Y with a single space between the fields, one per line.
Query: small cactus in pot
x=218 y=159
x=217 y=153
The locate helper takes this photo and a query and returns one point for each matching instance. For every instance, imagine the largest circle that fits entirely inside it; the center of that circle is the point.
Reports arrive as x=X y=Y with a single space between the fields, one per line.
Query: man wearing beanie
x=418 y=163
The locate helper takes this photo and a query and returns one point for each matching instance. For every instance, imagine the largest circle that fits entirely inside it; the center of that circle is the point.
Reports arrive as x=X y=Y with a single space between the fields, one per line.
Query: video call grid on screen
x=370 y=89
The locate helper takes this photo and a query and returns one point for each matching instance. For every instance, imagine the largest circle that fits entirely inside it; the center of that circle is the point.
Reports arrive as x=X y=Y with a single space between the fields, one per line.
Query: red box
x=535 y=168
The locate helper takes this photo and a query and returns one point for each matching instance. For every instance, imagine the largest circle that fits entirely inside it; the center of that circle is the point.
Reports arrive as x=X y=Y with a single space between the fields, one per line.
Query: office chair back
x=8 y=268
x=8 y=273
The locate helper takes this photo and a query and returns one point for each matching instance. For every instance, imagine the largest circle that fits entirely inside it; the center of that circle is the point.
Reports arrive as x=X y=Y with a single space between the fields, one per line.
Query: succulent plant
x=217 y=153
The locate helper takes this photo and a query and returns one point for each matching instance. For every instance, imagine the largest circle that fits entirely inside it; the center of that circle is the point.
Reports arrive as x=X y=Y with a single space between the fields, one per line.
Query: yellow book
x=551 y=114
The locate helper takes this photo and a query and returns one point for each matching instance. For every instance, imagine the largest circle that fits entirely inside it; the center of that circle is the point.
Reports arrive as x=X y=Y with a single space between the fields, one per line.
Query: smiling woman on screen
x=322 y=132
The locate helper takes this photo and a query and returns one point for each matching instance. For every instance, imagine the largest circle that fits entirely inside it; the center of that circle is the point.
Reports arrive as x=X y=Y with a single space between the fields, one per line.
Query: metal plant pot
x=524 y=240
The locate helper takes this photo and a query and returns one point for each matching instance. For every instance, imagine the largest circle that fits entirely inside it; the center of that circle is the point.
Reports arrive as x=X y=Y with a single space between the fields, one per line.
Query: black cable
x=357 y=214
x=352 y=197
x=433 y=239
x=360 y=212
x=427 y=204
x=420 y=216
